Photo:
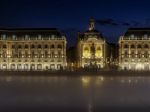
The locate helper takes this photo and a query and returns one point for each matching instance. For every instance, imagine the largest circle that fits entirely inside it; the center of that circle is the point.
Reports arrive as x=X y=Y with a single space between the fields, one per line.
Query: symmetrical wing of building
x=91 y=48
x=134 y=49
x=32 y=49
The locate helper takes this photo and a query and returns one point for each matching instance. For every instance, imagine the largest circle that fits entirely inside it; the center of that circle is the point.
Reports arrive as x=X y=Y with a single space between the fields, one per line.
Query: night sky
x=70 y=16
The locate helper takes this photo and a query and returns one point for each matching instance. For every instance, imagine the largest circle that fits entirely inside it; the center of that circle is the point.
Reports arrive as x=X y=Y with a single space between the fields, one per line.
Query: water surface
x=74 y=94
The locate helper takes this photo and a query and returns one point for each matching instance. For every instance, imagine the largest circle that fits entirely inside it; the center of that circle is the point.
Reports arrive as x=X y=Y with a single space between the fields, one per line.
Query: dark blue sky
x=113 y=16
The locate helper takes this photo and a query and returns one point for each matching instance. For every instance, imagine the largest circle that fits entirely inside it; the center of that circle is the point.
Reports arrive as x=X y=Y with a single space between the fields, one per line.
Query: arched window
x=13 y=46
x=132 y=46
x=139 y=46
x=99 y=48
x=4 y=46
x=59 y=46
x=26 y=46
x=46 y=46
x=146 y=46
x=19 y=46
x=86 y=49
x=32 y=46
x=39 y=46
x=52 y=46
x=126 y=46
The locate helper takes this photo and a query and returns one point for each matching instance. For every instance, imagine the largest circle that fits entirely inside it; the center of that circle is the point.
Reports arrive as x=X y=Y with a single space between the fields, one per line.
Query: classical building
x=134 y=49
x=32 y=49
x=91 y=48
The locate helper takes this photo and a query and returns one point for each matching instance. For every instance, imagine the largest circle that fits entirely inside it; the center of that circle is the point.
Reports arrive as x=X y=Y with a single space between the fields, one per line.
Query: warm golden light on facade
x=134 y=51
x=32 y=49
x=92 y=48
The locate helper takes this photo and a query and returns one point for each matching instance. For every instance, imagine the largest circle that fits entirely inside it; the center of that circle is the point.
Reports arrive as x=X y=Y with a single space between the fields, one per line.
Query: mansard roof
x=90 y=34
x=30 y=31
x=137 y=32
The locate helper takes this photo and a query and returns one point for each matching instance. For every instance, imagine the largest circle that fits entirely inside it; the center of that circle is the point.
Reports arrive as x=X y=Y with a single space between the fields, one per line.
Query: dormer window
x=4 y=37
x=132 y=36
x=39 y=37
x=26 y=37
x=53 y=36
x=145 y=36
x=14 y=37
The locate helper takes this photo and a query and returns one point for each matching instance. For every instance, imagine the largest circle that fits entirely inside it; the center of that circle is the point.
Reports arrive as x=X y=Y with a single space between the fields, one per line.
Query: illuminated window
x=39 y=66
x=86 y=52
x=4 y=66
x=98 y=52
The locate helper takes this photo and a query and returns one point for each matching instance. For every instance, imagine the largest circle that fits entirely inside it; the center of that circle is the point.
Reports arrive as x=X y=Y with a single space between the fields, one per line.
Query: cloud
x=104 y=22
x=126 y=24
x=117 y=23
x=135 y=23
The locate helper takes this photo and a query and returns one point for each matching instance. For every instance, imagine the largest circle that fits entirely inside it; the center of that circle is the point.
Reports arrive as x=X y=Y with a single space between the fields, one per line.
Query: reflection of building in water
x=86 y=81
x=32 y=49
x=134 y=53
x=91 y=48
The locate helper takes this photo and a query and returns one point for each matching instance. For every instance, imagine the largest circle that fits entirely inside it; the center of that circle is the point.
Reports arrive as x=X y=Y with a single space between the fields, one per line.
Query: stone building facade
x=134 y=49
x=91 y=48
x=32 y=49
